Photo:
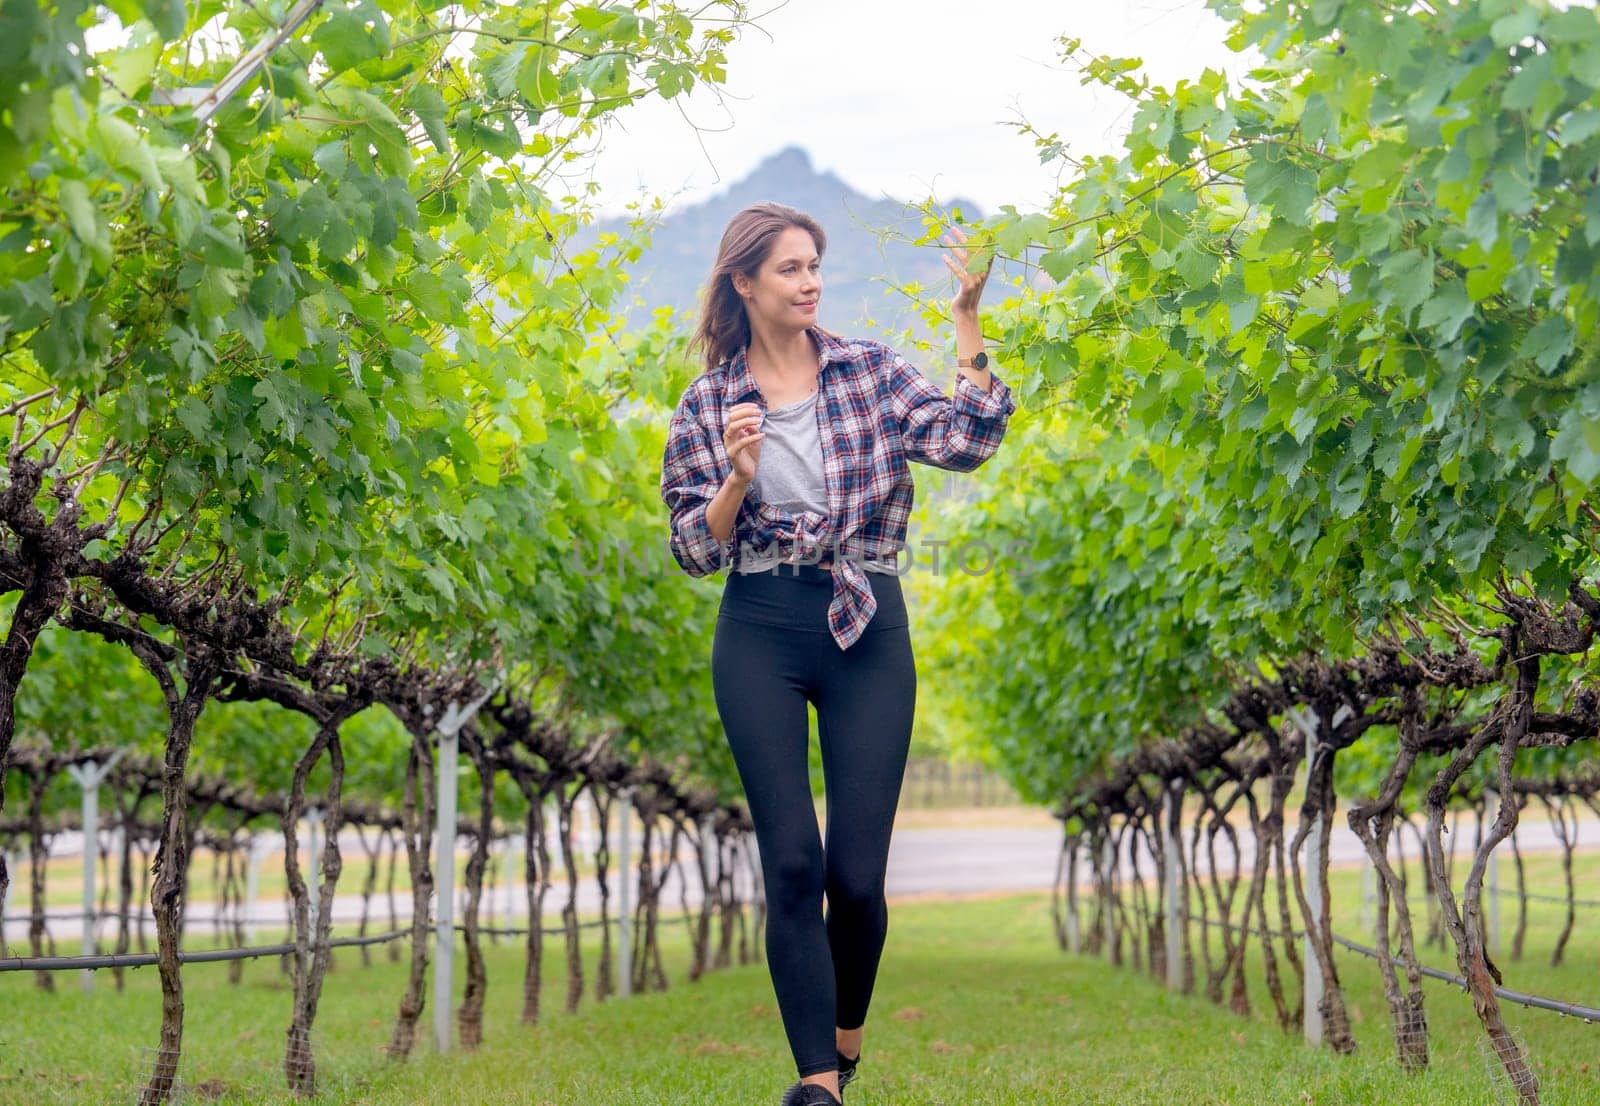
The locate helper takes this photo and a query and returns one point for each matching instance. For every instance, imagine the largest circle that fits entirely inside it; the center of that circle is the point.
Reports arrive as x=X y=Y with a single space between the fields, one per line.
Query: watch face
x=981 y=361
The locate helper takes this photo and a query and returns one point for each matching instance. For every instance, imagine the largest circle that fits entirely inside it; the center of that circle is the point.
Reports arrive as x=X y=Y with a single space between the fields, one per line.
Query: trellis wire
x=204 y=919
x=1506 y=893
x=1589 y=1014
x=211 y=956
x=198 y=956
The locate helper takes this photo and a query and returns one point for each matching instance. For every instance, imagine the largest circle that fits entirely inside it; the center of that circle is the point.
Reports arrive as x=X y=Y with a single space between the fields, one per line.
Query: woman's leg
x=866 y=699
x=760 y=675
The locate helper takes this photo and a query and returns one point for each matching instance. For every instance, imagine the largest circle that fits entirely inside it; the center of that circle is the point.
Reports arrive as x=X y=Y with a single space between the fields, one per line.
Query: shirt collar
x=740 y=382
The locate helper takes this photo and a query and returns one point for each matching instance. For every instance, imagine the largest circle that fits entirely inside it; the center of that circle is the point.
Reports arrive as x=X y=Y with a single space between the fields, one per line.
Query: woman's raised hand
x=742 y=439
x=966 y=300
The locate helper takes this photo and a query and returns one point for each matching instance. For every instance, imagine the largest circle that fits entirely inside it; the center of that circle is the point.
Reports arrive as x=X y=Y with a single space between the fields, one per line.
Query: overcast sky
x=906 y=98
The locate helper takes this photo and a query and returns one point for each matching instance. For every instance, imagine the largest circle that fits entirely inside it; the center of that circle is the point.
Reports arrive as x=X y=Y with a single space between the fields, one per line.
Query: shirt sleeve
x=958 y=432
x=691 y=476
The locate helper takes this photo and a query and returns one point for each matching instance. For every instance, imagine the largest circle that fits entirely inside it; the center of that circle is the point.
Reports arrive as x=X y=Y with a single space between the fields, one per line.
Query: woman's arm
x=724 y=507
x=709 y=504
x=964 y=309
x=694 y=489
x=958 y=432
x=969 y=343
x=963 y=431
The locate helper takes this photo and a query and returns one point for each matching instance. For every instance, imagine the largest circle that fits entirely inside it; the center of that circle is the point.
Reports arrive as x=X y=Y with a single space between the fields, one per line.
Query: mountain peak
x=788 y=172
x=789 y=160
x=870 y=242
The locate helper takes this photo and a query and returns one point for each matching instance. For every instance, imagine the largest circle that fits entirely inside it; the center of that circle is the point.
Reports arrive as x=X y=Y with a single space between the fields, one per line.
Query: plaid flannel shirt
x=875 y=413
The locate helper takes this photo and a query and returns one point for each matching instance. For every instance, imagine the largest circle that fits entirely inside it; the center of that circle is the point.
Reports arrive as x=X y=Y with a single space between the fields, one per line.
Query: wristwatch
x=979 y=361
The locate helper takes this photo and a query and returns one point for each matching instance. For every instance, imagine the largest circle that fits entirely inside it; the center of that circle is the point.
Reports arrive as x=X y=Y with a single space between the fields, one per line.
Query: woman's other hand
x=742 y=438
x=966 y=300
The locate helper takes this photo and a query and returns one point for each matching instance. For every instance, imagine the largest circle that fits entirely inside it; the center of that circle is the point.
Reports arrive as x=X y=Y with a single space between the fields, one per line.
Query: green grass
x=974 y=1004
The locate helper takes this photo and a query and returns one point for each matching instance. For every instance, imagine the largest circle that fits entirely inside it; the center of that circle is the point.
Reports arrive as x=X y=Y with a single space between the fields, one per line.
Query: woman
x=813 y=610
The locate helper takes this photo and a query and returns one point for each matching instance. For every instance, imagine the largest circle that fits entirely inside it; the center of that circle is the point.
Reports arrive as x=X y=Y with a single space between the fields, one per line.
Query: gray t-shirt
x=789 y=474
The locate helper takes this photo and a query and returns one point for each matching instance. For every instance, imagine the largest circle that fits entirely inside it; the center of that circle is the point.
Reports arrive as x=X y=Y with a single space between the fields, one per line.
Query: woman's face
x=783 y=293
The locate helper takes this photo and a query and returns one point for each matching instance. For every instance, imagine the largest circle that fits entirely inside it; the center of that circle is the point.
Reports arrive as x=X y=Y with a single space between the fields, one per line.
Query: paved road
x=921 y=862
x=973 y=860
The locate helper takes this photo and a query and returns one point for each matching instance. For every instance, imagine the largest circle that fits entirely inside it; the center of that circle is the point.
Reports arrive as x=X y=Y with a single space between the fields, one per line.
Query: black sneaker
x=801 y=1093
x=847 y=1071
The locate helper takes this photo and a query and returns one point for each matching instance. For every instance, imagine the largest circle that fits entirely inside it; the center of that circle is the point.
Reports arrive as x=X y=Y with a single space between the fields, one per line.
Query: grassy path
x=975 y=1004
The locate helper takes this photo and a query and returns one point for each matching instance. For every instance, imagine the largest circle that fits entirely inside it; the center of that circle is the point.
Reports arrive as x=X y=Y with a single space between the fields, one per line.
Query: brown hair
x=724 y=327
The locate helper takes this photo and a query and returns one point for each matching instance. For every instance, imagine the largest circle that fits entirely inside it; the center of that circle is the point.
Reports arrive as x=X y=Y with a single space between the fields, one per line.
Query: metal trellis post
x=252 y=884
x=514 y=845
x=1074 y=937
x=1170 y=847
x=1108 y=861
x=13 y=862
x=1491 y=811
x=449 y=729
x=1307 y=724
x=90 y=774
x=624 y=885
x=444 y=870
x=313 y=861
x=1366 y=897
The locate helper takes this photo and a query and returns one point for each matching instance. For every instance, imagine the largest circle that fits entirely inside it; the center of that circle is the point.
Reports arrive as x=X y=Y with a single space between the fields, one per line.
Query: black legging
x=770 y=655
